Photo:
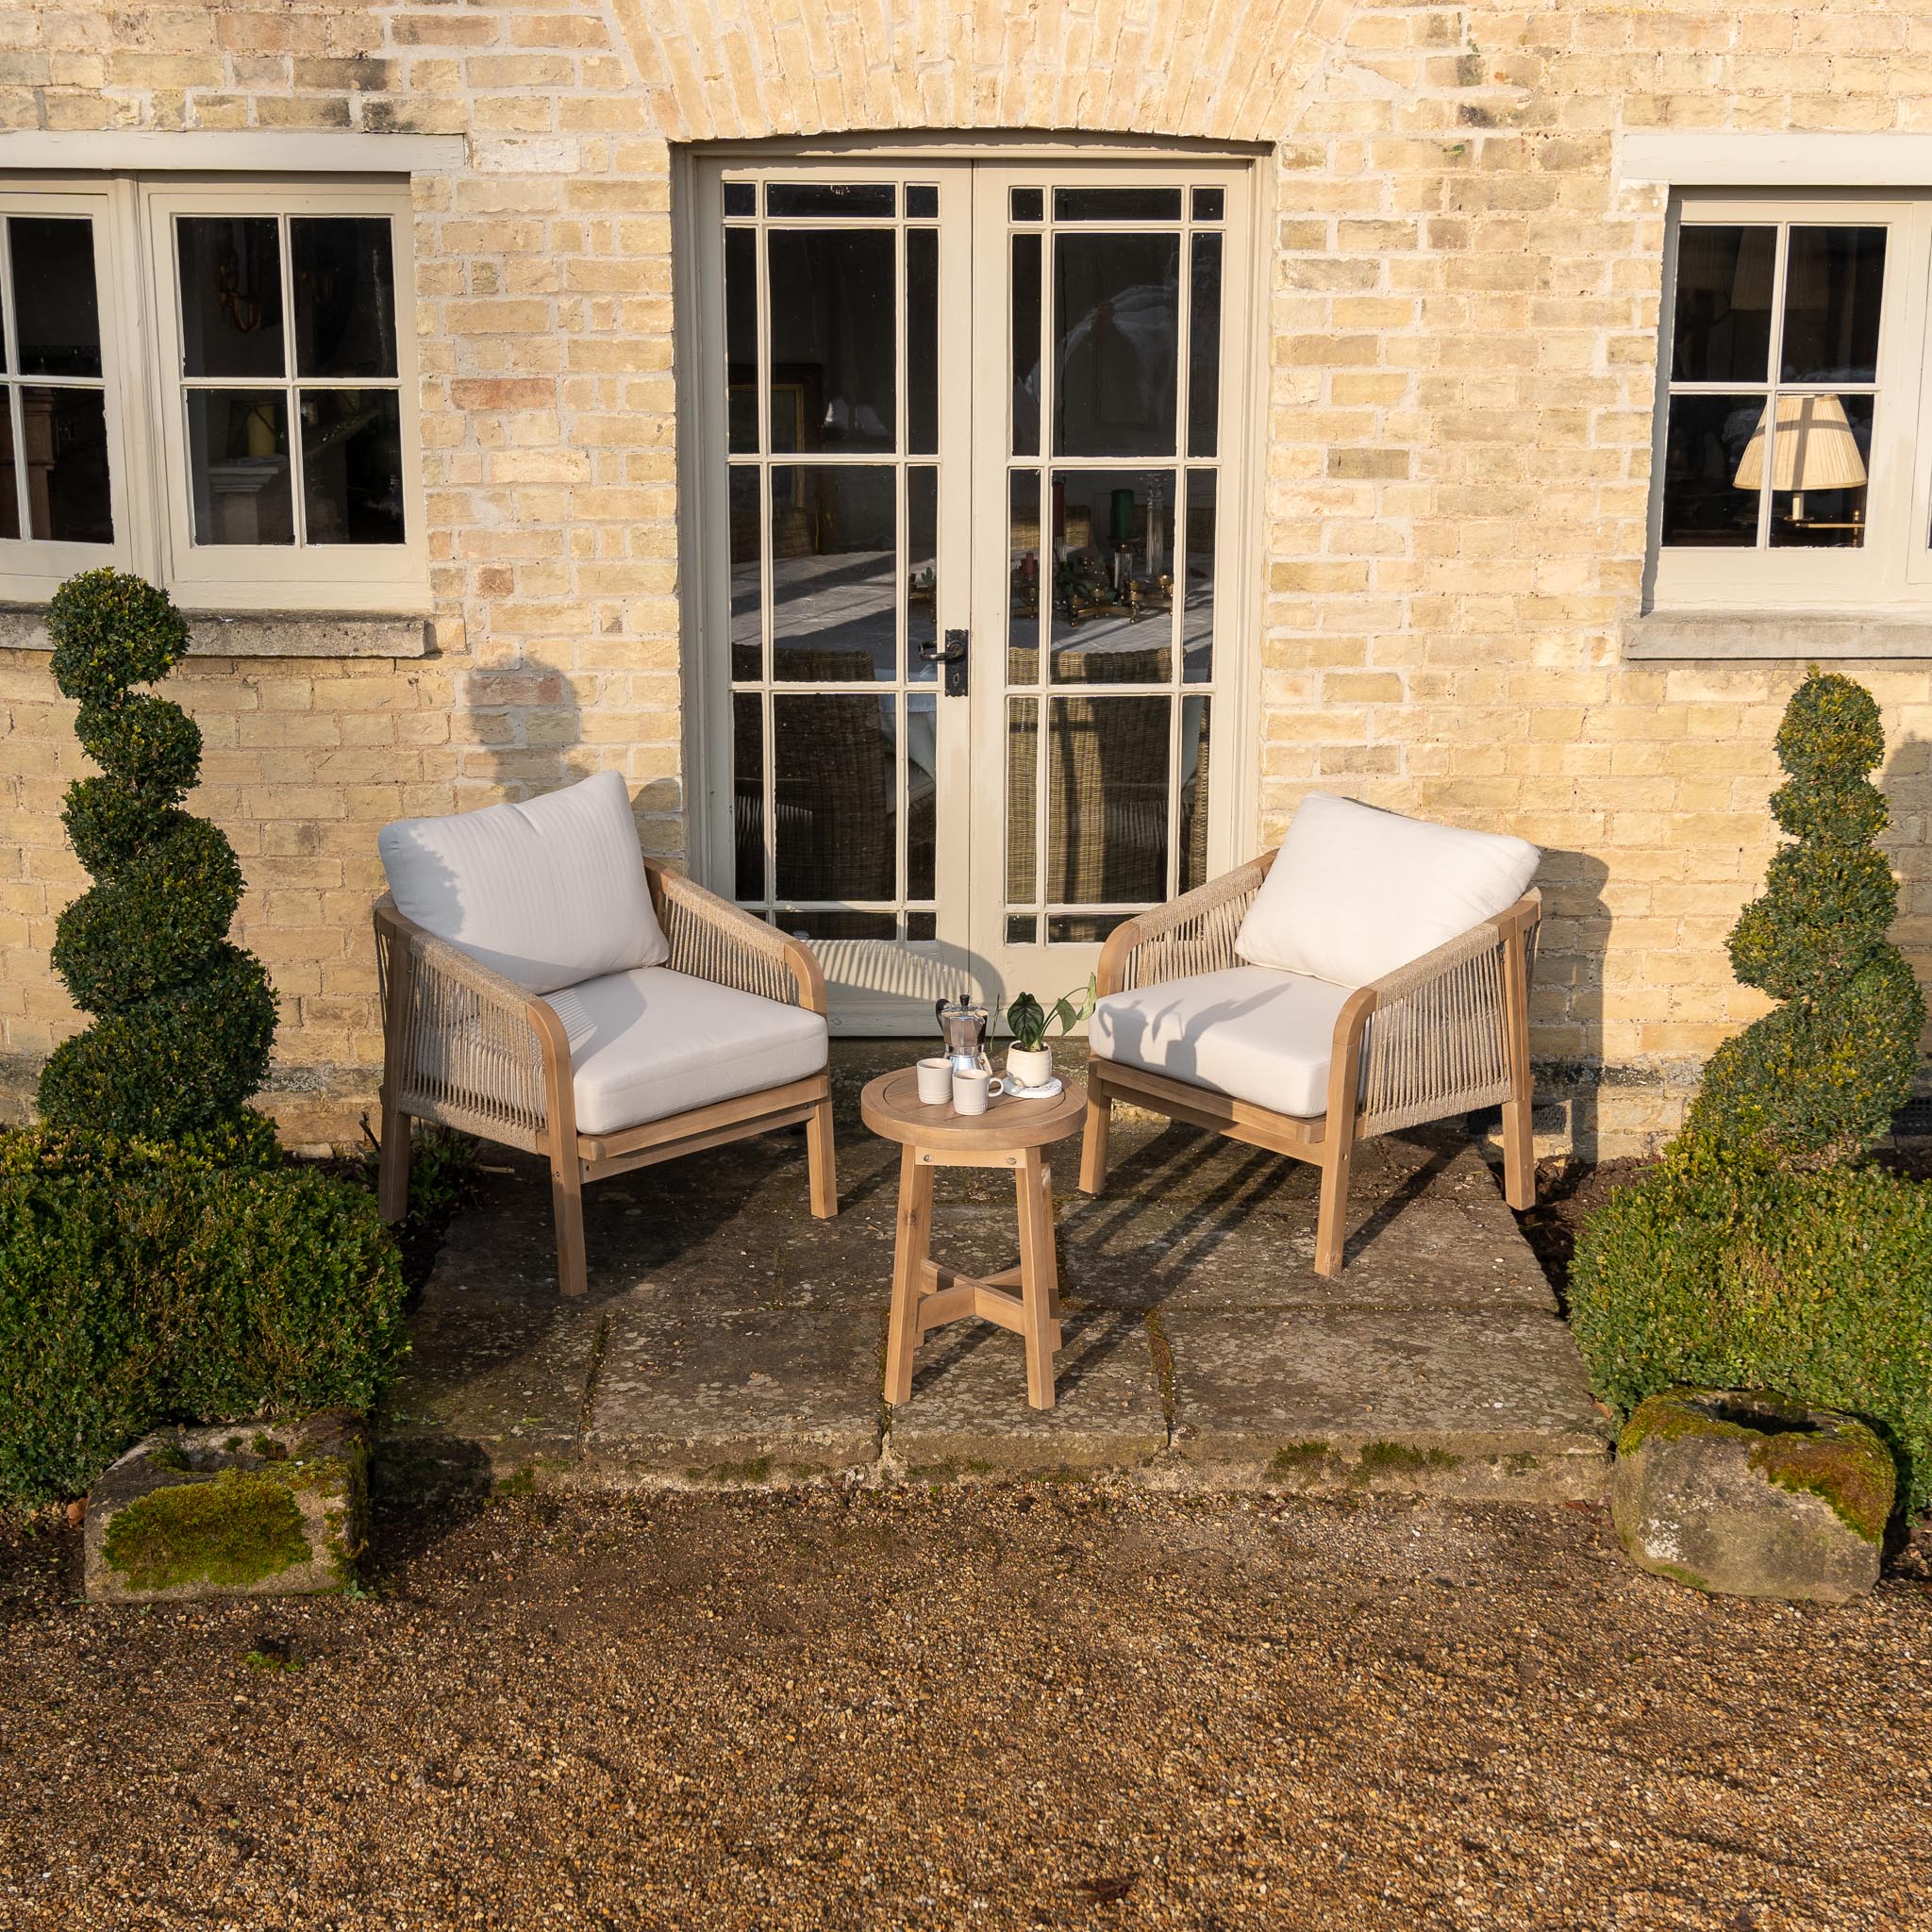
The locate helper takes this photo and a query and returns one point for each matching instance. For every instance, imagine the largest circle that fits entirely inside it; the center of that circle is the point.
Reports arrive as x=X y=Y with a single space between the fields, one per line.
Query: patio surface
x=727 y=1337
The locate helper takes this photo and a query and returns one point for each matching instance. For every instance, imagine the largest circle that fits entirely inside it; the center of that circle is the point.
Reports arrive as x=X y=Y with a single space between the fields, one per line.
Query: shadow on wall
x=1567 y=1000
x=521 y=734
x=1906 y=782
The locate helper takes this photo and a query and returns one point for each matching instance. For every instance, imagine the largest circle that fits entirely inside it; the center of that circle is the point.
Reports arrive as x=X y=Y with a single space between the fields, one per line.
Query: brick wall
x=1465 y=310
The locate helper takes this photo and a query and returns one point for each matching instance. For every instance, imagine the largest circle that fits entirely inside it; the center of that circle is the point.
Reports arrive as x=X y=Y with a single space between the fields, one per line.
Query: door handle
x=954 y=658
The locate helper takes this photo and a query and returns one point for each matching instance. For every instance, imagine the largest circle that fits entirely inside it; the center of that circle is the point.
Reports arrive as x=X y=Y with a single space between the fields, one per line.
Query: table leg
x=1039 y=1292
x=911 y=1245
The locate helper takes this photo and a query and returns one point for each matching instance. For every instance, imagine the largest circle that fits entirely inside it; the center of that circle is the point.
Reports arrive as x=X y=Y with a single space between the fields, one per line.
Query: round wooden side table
x=1011 y=1133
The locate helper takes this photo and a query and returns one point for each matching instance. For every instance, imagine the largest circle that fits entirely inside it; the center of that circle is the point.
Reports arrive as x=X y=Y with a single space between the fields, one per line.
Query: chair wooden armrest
x=1192 y=934
x=712 y=939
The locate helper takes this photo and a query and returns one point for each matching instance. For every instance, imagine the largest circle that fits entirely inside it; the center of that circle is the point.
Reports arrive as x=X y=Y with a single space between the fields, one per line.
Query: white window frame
x=146 y=407
x=1892 y=569
x=31 y=568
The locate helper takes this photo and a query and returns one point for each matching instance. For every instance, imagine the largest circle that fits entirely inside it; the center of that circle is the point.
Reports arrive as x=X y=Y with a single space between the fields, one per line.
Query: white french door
x=968 y=535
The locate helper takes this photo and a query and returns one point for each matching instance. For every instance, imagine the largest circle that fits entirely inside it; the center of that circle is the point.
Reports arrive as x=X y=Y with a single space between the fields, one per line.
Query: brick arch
x=1221 y=70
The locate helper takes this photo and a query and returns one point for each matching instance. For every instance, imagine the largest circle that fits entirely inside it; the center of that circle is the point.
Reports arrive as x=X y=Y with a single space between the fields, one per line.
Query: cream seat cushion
x=1356 y=891
x=1249 y=1032
x=651 y=1043
x=547 y=893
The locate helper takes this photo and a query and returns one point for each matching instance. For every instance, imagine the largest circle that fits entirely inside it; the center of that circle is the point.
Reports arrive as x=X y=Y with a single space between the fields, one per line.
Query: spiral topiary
x=1818 y=1080
x=183 y=1018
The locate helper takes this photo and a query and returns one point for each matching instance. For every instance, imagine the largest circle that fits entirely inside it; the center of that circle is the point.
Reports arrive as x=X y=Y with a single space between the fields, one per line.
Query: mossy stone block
x=1748 y=1494
x=233 y=1510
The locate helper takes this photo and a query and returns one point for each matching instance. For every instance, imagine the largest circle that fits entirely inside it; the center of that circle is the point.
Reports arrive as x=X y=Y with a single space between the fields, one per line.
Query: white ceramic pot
x=1025 y=1069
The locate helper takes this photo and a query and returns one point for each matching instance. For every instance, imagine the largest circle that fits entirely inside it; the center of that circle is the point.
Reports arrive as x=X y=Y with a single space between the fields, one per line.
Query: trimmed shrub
x=138 y=1286
x=1721 y=1271
x=183 y=1019
x=1821 y=1078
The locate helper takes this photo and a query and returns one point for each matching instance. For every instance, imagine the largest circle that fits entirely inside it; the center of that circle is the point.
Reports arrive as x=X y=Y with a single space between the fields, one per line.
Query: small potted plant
x=1029 y=1059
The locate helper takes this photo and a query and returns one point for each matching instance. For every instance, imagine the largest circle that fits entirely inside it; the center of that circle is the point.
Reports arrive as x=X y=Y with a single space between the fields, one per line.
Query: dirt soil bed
x=1025 y=1705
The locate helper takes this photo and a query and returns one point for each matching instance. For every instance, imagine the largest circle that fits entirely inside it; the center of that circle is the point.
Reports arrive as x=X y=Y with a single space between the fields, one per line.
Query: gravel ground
x=1006 y=1706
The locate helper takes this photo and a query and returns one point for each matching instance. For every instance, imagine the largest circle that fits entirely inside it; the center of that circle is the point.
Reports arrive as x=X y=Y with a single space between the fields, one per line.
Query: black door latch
x=952 y=658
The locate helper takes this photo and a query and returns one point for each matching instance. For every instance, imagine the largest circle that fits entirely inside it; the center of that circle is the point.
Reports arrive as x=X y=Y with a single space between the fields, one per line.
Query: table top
x=891 y=1107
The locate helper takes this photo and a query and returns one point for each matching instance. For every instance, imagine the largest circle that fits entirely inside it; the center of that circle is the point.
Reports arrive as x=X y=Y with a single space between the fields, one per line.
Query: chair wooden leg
x=1038 y=1293
x=1093 y=1138
x=821 y=1161
x=1331 y=1220
x=567 y=1208
x=1519 y=1152
x=911 y=1246
x=393 y=1170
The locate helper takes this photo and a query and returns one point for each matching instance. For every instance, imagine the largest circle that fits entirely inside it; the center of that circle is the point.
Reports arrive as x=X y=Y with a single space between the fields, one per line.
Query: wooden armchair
x=469 y=1047
x=1443 y=1035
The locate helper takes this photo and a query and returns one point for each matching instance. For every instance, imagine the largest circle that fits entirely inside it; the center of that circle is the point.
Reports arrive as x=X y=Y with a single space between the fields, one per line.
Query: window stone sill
x=258 y=634
x=1790 y=636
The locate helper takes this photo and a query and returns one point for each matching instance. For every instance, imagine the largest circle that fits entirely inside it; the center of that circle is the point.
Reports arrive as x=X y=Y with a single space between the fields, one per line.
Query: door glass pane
x=1022 y=800
x=1704 y=446
x=1026 y=345
x=1833 y=281
x=67 y=495
x=1197 y=604
x=1028 y=205
x=830 y=198
x=345 y=297
x=922 y=202
x=1192 y=836
x=922 y=341
x=741 y=198
x=1818 y=455
x=749 y=792
x=1116 y=329
x=1022 y=572
x=1207 y=203
x=835 y=597
x=922 y=794
x=1113 y=576
x=1083 y=928
x=1721 y=330
x=747 y=578
x=10 y=476
x=1023 y=929
x=835 y=796
x=829 y=923
x=1106 y=801
x=352 y=466
x=922 y=926
x=1204 y=348
x=834 y=316
x=55 y=303
x=1116 y=204
x=238 y=466
x=922 y=571
x=231 y=297
x=741 y=342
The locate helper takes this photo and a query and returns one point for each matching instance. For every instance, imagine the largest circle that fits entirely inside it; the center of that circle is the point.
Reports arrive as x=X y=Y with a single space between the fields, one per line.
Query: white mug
x=935 y=1081
x=972 y=1091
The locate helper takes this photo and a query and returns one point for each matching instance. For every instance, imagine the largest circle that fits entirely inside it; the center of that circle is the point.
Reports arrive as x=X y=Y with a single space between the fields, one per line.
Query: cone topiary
x=1818 y=1080
x=183 y=1018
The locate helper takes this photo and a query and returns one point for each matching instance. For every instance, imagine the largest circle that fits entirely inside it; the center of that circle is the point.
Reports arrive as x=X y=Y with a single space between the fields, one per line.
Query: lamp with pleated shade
x=1814 y=449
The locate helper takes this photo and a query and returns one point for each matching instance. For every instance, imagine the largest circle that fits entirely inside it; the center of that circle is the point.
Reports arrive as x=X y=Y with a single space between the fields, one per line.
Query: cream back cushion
x=547 y=893
x=1356 y=892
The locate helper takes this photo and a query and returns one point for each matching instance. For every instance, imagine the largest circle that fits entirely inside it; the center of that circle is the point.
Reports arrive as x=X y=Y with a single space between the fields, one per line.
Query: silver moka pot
x=962 y=1029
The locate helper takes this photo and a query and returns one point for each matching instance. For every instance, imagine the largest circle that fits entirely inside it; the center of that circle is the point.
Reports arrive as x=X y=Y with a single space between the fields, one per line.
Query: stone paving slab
x=733 y=1396
x=969 y=1411
x=727 y=1332
x=1290 y=1387
x=505 y=1378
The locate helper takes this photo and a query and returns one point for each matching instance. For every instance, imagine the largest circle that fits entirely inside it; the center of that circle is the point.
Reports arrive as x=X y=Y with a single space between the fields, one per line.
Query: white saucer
x=1047 y=1092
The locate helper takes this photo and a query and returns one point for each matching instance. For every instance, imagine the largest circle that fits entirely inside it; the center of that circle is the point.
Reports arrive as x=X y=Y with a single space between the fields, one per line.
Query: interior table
x=1012 y=1133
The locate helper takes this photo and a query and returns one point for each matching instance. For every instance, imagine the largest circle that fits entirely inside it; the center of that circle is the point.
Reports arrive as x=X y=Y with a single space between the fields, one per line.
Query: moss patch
x=1298 y=1458
x=1399 y=1459
x=239 y=1529
x=1854 y=1477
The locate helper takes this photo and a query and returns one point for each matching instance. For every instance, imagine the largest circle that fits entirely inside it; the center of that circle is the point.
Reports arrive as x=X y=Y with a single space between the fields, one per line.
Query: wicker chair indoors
x=547 y=989
x=1371 y=975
